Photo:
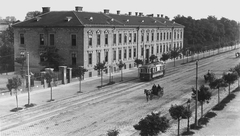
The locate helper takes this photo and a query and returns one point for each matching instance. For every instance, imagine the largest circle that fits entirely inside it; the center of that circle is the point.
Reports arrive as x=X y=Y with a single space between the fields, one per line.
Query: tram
x=150 y=71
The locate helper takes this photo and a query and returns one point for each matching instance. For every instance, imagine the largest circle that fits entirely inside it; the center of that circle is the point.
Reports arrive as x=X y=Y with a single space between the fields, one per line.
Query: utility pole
x=196 y=119
x=28 y=76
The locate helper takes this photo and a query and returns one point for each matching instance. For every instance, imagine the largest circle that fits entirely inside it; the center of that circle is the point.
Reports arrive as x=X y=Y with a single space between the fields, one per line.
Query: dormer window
x=155 y=21
x=142 y=21
x=68 y=19
x=112 y=19
x=127 y=20
x=91 y=19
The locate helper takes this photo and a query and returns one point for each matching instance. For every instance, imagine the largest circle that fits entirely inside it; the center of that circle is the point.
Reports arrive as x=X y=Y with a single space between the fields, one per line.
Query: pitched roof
x=81 y=19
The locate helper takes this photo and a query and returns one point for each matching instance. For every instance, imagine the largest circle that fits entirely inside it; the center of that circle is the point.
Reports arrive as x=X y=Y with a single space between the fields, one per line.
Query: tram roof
x=150 y=65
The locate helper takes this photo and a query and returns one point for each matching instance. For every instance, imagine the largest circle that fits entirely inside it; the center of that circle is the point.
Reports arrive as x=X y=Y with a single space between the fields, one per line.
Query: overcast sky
x=196 y=8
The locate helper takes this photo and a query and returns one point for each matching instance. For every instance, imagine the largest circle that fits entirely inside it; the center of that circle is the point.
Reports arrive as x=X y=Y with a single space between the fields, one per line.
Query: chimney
x=161 y=15
x=118 y=12
x=78 y=9
x=136 y=13
x=140 y=14
x=106 y=11
x=150 y=15
x=158 y=15
x=129 y=13
x=45 y=9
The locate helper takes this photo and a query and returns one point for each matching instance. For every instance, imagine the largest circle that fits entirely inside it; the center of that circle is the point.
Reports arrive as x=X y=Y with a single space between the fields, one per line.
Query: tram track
x=92 y=98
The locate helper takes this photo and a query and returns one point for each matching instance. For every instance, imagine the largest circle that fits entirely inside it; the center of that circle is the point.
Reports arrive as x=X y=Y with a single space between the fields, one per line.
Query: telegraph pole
x=196 y=119
x=28 y=76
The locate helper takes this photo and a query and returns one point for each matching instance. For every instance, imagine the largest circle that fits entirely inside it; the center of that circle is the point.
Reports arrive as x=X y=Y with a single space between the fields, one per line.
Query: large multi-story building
x=86 y=38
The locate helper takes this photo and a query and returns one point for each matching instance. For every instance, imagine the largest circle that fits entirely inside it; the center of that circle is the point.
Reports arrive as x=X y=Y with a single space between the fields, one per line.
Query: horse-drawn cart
x=156 y=90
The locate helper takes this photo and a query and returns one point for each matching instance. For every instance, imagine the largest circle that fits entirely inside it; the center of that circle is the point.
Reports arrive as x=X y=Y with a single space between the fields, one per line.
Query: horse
x=148 y=94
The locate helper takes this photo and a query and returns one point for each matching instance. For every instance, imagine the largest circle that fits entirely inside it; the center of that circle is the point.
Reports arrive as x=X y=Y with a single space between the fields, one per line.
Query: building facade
x=86 y=38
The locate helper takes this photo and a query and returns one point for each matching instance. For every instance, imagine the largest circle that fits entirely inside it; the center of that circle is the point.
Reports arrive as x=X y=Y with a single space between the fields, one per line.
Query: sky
x=197 y=9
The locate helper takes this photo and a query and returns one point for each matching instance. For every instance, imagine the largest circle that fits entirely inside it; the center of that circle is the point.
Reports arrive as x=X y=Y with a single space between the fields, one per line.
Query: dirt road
x=121 y=106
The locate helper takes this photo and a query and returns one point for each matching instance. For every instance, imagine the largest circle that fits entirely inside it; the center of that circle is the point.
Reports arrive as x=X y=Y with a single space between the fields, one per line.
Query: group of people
x=155 y=88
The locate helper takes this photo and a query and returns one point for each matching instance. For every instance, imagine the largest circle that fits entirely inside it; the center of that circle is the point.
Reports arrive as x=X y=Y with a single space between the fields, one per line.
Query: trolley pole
x=196 y=119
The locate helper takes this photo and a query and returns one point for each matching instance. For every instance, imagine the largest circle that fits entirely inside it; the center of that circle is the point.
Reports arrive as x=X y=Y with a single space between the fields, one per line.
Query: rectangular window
x=134 y=52
x=114 y=38
x=41 y=39
x=106 y=56
x=89 y=40
x=90 y=58
x=160 y=48
x=157 y=36
x=167 y=36
x=142 y=37
x=152 y=36
x=119 y=54
x=125 y=38
x=114 y=54
x=90 y=74
x=152 y=49
x=147 y=37
x=74 y=40
x=142 y=51
x=181 y=35
x=174 y=35
x=170 y=35
x=161 y=36
x=106 y=39
x=125 y=54
x=74 y=59
x=119 y=38
x=157 y=48
x=164 y=36
x=164 y=48
x=130 y=38
x=130 y=53
x=98 y=39
x=21 y=38
x=135 y=37
x=51 y=39
x=98 y=57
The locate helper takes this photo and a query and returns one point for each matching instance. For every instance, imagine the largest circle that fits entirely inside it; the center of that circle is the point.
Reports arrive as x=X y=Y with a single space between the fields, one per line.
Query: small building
x=86 y=38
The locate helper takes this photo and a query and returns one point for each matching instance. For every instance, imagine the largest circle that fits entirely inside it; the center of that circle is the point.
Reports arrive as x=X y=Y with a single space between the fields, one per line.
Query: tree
x=49 y=78
x=204 y=95
x=164 y=57
x=51 y=57
x=7 y=50
x=152 y=125
x=120 y=66
x=230 y=78
x=100 y=67
x=153 y=58
x=188 y=115
x=174 y=53
x=237 y=69
x=32 y=14
x=216 y=84
x=138 y=62
x=81 y=73
x=14 y=83
x=177 y=112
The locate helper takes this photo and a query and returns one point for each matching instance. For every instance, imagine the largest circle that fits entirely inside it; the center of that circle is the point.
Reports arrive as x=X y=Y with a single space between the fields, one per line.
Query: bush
x=113 y=132
x=152 y=125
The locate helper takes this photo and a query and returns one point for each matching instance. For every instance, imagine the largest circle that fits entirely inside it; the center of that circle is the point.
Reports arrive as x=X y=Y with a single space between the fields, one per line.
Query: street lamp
x=188 y=108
